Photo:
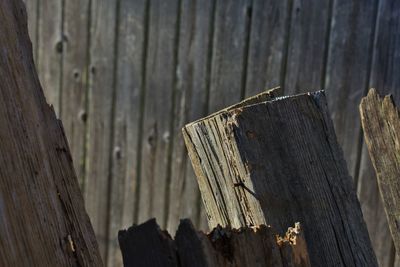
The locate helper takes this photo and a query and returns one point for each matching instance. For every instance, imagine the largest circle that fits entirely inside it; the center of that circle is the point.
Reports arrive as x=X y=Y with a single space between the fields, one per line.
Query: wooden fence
x=125 y=75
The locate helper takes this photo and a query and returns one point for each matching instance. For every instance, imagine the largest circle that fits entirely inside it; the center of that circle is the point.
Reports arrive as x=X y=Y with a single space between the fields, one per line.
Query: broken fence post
x=277 y=162
x=381 y=124
x=148 y=246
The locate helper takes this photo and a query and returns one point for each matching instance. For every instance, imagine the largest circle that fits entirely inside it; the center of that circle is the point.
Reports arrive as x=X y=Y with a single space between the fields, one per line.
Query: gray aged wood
x=160 y=82
x=128 y=106
x=277 y=162
x=147 y=245
x=49 y=50
x=384 y=77
x=100 y=113
x=381 y=124
x=267 y=45
x=191 y=103
x=347 y=77
x=307 y=46
x=74 y=80
x=33 y=12
x=42 y=214
x=229 y=53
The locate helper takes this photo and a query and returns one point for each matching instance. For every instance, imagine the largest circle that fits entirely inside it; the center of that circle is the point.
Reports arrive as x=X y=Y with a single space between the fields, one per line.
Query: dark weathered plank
x=191 y=102
x=100 y=110
x=129 y=85
x=381 y=124
x=43 y=219
x=50 y=49
x=267 y=45
x=277 y=162
x=229 y=52
x=160 y=83
x=384 y=77
x=307 y=46
x=75 y=80
x=147 y=245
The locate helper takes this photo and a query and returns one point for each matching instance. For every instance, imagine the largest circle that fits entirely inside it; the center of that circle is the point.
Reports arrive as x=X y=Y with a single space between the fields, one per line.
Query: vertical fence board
x=229 y=57
x=32 y=12
x=348 y=67
x=266 y=54
x=74 y=79
x=130 y=58
x=193 y=71
x=385 y=78
x=50 y=46
x=101 y=79
x=308 y=33
x=160 y=84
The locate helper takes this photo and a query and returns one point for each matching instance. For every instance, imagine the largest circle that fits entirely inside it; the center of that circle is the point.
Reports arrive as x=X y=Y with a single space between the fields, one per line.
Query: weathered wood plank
x=132 y=27
x=32 y=9
x=229 y=53
x=346 y=81
x=43 y=219
x=347 y=70
x=264 y=163
x=158 y=113
x=307 y=46
x=191 y=102
x=267 y=45
x=100 y=110
x=385 y=66
x=147 y=245
x=50 y=49
x=381 y=124
x=75 y=80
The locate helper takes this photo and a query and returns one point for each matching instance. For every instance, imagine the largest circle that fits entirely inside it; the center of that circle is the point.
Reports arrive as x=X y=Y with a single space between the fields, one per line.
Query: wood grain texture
x=43 y=219
x=347 y=77
x=191 y=94
x=381 y=124
x=267 y=45
x=385 y=65
x=307 y=46
x=229 y=53
x=160 y=83
x=147 y=245
x=129 y=87
x=100 y=114
x=347 y=70
x=75 y=80
x=50 y=49
x=264 y=163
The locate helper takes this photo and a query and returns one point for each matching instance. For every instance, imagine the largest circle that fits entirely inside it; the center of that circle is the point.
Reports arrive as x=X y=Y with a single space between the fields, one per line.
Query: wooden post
x=147 y=245
x=278 y=162
x=381 y=124
x=42 y=216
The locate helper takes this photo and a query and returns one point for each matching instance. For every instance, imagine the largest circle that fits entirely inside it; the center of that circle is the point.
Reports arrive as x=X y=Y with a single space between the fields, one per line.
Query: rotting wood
x=381 y=124
x=147 y=245
x=42 y=216
x=277 y=162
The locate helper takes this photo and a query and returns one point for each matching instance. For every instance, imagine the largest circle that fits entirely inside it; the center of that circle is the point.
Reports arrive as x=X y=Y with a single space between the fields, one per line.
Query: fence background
x=125 y=75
